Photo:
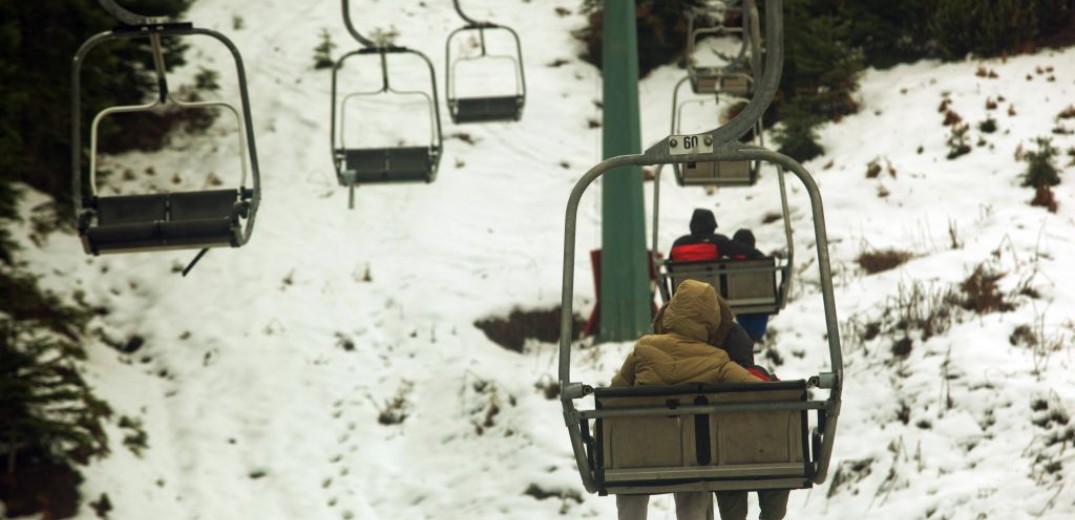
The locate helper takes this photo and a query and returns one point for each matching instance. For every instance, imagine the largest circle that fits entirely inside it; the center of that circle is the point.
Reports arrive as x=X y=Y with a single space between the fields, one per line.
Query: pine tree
x=323 y=51
x=796 y=136
x=662 y=31
x=46 y=405
x=1041 y=170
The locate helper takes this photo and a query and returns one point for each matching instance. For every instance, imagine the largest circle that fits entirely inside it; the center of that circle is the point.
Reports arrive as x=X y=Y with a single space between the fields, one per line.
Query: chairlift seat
x=714 y=80
x=129 y=223
x=376 y=165
x=718 y=173
x=742 y=449
x=486 y=109
x=749 y=286
x=739 y=86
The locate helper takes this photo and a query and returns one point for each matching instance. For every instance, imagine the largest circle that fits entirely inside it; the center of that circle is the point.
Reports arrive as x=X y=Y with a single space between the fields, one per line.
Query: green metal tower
x=625 y=295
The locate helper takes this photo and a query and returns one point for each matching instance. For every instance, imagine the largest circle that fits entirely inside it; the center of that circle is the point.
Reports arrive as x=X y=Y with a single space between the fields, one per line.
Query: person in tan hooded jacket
x=680 y=351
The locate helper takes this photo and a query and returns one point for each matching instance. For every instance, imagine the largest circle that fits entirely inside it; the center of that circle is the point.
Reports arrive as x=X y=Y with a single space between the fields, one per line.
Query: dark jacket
x=702 y=243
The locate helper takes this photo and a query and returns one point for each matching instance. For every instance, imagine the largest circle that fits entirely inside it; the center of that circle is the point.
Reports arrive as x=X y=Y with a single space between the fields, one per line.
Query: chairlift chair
x=171 y=220
x=736 y=77
x=660 y=439
x=356 y=164
x=481 y=108
x=716 y=173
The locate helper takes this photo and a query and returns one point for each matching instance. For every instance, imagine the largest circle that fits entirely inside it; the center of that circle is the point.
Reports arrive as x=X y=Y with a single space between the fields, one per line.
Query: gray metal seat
x=129 y=223
x=749 y=286
x=719 y=173
x=203 y=219
x=376 y=165
x=758 y=441
x=486 y=109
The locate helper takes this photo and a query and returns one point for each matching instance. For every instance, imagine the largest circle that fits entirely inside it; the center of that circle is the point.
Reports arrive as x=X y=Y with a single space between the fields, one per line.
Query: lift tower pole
x=625 y=297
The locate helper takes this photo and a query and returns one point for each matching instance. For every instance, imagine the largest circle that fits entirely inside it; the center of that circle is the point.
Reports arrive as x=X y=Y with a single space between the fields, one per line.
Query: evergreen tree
x=662 y=31
x=994 y=27
x=46 y=405
x=1041 y=170
x=820 y=67
x=796 y=136
x=887 y=32
x=323 y=51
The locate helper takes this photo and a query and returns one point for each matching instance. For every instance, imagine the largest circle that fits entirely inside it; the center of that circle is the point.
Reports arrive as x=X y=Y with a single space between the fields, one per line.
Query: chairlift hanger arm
x=127 y=17
x=366 y=42
x=471 y=23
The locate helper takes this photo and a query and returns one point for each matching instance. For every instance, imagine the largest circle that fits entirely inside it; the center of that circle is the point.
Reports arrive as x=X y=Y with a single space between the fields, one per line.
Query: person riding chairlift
x=703 y=244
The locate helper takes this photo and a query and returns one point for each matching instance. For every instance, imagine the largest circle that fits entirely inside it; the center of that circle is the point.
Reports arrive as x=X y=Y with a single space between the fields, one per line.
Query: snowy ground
x=256 y=407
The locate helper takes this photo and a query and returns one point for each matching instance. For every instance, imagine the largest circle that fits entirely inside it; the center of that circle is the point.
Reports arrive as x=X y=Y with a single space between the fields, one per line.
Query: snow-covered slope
x=265 y=374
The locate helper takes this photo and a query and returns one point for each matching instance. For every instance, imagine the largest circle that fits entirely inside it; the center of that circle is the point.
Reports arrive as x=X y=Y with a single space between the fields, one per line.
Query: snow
x=255 y=408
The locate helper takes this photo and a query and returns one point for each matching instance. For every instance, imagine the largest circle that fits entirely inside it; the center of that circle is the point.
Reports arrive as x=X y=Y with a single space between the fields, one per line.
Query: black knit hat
x=703 y=222
x=745 y=237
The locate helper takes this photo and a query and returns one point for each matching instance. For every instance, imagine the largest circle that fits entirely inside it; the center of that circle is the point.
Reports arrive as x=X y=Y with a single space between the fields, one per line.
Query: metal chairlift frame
x=483 y=109
x=131 y=210
x=420 y=164
x=712 y=80
x=782 y=264
x=719 y=144
x=712 y=173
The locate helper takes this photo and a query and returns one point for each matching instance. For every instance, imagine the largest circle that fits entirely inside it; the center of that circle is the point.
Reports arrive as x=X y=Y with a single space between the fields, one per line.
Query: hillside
x=331 y=368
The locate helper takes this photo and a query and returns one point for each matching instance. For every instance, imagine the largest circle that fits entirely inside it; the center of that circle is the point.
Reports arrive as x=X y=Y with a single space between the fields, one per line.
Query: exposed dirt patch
x=513 y=331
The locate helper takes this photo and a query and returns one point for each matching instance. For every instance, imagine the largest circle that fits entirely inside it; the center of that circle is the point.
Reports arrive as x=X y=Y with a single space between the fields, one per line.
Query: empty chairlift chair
x=712 y=173
x=735 y=77
x=483 y=108
x=168 y=220
x=357 y=164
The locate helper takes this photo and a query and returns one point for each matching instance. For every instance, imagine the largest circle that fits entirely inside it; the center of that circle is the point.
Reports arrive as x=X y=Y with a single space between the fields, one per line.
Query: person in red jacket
x=702 y=243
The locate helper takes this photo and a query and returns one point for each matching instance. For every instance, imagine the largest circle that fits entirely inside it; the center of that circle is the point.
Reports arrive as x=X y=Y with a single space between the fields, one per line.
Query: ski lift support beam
x=722 y=144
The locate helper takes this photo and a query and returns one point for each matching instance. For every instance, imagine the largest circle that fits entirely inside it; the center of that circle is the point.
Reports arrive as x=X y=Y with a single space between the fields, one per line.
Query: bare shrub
x=848 y=474
x=919 y=308
x=395 y=410
x=1042 y=343
x=877 y=261
x=981 y=294
x=952 y=118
